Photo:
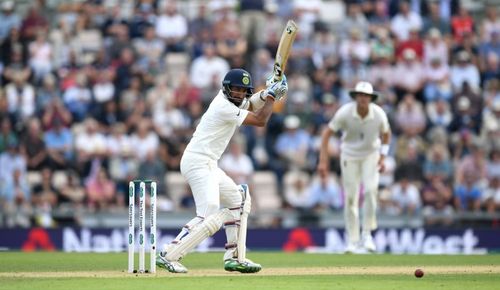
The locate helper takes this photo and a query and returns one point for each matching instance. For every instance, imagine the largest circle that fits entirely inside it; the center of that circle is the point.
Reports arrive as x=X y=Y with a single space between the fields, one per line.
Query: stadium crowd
x=108 y=91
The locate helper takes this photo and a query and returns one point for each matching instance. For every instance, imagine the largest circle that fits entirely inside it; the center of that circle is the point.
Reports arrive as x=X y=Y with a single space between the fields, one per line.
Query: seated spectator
x=101 y=191
x=354 y=45
x=40 y=51
x=172 y=28
x=438 y=162
x=435 y=47
x=464 y=71
x=409 y=74
x=414 y=42
x=462 y=23
x=152 y=168
x=78 y=98
x=296 y=192
x=436 y=197
x=409 y=163
x=44 y=193
x=490 y=23
x=491 y=196
x=439 y=113
x=186 y=95
x=405 y=198
x=33 y=145
x=406 y=19
x=90 y=145
x=10 y=161
x=55 y=110
x=437 y=84
x=169 y=121
x=325 y=193
x=145 y=141
x=232 y=46
x=15 y=200
x=236 y=163
x=410 y=115
x=20 y=97
x=59 y=143
x=293 y=144
x=103 y=89
x=491 y=64
x=436 y=21
x=382 y=46
x=7 y=135
x=209 y=69
x=150 y=48
x=467 y=195
x=464 y=119
x=46 y=94
x=472 y=170
x=493 y=163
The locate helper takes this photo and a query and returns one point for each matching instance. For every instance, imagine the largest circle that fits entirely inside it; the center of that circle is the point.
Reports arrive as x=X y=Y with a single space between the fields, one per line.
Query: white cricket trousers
x=354 y=173
x=211 y=188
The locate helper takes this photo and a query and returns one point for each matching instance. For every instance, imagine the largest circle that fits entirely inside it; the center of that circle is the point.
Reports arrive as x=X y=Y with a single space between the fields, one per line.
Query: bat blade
x=284 y=49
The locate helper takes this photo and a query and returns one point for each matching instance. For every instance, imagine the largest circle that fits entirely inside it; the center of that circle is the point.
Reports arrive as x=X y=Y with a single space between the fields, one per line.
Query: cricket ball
x=419 y=273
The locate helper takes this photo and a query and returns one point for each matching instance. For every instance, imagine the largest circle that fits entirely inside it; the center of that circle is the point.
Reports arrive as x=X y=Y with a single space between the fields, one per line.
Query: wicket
x=142 y=225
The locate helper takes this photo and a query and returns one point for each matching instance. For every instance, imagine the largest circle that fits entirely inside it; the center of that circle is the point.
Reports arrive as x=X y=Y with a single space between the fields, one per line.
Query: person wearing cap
x=464 y=71
x=366 y=136
x=8 y=19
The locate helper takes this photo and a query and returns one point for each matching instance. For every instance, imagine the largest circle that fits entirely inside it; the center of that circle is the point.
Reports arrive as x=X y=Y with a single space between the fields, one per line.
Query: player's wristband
x=384 y=149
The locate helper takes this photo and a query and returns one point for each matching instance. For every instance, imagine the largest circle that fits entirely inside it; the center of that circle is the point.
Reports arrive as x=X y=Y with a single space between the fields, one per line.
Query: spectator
x=467 y=196
x=186 y=95
x=493 y=164
x=150 y=48
x=103 y=90
x=491 y=196
x=55 y=110
x=472 y=171
x=172 y=27
x=33 y=145
x=490 y=24
x=78 y=98
x=145 y=141
x=15 y=200
x=436 y=20
x=40 y=51
x=355 y=45
x=436 y=197
x=8 y=19
x=439 y=113
x=252 y=21
x=380 y=19
x=464 y=71
x=44 y=193
x=232 y=46
x=47 y=94
x=208 y=69
x=437 y=85
x=325 y=193
x=435 y=47
x=405 y=198
x=293 y=144
x=7 y=136
x=408 y=74
x=296 y=193
x=33 y=22
x=59 y=143
x=463 y=119
x=414 y=42
x=236 y=163
x=101 y=191
x=491 y=66
x=10 y=161
x=355 y=20
x=461 y=24
x=382 y=46
x=90 y=145
x=20 y=97
x=438 y=162
x=404 y=21
x=410 y=115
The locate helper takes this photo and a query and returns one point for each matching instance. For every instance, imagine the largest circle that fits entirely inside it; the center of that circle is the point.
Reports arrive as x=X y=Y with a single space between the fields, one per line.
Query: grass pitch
x=281 y=271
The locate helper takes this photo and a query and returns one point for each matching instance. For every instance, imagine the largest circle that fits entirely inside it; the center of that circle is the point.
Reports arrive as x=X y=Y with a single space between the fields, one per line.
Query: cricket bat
x=284 y=49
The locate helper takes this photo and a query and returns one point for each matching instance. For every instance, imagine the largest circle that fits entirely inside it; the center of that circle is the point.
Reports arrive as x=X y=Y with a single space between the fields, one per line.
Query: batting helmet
x=364 y=88
x=237 y=78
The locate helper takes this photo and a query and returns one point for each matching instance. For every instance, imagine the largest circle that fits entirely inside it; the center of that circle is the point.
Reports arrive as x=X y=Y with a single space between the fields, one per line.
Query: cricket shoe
x=171 y=266
x=351 y=249
x=368 y=244
x=248 y=266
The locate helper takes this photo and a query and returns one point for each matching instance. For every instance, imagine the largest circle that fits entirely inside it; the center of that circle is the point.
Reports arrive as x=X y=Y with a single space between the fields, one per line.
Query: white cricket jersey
x=360 y=137
x=216 y=127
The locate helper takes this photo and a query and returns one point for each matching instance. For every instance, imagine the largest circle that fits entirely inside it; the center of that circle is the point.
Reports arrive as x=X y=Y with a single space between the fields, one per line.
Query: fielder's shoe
x=351 y=249
x=171 y=266
x=368 y=244
x=248 y=266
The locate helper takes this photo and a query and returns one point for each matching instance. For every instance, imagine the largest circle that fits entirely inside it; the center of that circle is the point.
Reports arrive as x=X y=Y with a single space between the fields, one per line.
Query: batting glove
x=277 y=89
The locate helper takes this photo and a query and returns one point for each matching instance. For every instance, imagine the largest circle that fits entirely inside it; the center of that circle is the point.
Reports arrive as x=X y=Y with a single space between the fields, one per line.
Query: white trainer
x=368 y=244
x=351 y=249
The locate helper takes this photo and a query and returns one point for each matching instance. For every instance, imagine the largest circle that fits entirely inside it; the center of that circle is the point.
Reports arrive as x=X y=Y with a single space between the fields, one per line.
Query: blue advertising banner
x=396 y=241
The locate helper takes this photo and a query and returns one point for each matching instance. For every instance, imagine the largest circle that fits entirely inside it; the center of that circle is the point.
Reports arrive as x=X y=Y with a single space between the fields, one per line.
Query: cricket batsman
x=365 y=143
x=234 y=105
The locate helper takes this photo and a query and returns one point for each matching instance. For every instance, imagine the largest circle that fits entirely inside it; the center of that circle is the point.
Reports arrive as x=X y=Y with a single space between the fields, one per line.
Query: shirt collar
x=368 y=117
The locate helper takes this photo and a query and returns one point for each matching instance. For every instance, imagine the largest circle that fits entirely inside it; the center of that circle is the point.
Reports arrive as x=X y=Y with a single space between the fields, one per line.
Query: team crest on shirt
x=245 y=80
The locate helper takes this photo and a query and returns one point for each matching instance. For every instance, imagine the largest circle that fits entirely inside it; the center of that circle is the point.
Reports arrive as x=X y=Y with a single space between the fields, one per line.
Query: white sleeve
x=233 y=114
x=384 y=127
x=337 y=123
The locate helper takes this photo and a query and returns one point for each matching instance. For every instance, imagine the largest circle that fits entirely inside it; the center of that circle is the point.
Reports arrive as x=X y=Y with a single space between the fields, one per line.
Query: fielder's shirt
x=360 y=137
x=216 y=127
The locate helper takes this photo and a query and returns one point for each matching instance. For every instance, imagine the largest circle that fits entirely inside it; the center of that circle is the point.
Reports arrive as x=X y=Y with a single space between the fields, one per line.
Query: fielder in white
x=234 y=105
x=364 y=125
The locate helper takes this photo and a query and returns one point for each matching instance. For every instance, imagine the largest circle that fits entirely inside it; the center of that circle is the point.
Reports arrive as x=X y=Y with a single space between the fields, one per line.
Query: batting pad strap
x=207 y=228
x=230 y=246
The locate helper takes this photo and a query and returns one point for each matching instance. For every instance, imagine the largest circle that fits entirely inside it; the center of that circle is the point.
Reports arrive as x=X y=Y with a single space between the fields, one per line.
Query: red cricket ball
x=419 y=273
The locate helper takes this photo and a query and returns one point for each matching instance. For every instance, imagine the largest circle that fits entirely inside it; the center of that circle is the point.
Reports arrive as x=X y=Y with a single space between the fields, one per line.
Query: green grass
x=12 y=262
